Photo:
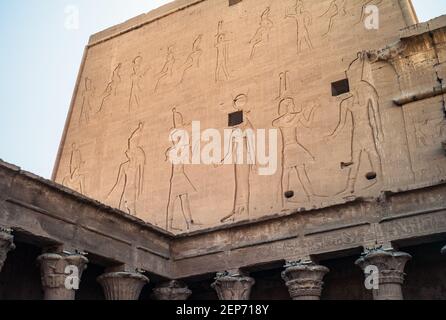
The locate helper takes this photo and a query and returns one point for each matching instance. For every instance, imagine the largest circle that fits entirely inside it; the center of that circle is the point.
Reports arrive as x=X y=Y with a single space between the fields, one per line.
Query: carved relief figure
x=87 y=99
x=180 y=186
x=336 y=9
x=222 y=45
x=112 y=87
x=303 y=20
x=262 y=34
x=129 y=184
x=75 y=180
x=362 y=105
x=428 y=131
x=295 y=156
x=167 y=70
x=136 y=77
x=193 y=60
x=242 y=167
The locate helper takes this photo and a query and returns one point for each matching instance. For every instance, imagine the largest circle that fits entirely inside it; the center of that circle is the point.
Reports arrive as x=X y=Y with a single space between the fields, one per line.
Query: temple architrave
x=351 y=97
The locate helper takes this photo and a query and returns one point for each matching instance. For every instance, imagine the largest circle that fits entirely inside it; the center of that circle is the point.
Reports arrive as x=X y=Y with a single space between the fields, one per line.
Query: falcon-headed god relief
x=362 y=105
x=295 y=156
x=180 y=186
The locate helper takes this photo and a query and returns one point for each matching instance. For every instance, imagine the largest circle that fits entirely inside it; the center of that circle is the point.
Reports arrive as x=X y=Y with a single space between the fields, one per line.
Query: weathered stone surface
x=55 y=270
x=363 y=167
x=233 y=286
x=6 y=244
x=391 y=266
x=304 y=280
x=172 y=290
x=234 y=66
x=122 y=285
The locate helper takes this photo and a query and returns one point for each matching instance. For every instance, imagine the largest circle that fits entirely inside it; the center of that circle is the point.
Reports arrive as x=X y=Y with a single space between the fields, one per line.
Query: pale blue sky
x=39 y=62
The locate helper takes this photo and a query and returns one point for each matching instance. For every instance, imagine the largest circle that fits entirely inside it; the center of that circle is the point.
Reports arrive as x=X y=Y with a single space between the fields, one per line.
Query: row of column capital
x=6 y=244
x=61 y=274
x=389 y=265
x=122 y=285
x=304 y=278
x=233 y=285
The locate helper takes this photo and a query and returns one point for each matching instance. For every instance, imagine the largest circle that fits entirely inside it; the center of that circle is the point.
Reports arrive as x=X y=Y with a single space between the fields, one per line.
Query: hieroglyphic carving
x=415 y=226
x=338 y=239
x=129 y=183
x=362 y=105
x=295 y=157
x=222 y=46
x=242 y=168
x=180 y=185
x=284 y=89
x=136 y=77
x=75 y=180
x=86 y=107
x=111 y=88
x=337 y=8
x=193 y=60
x=262 y=34
x=167 y=69
x=303 y=20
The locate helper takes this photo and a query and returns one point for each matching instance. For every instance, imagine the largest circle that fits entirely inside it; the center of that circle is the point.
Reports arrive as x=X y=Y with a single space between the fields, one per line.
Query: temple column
x=61 y=275
x=122 y=285
x=6 y=245
x=304 y=279
x=389 y=265
x=173 y=290
x=233 y=286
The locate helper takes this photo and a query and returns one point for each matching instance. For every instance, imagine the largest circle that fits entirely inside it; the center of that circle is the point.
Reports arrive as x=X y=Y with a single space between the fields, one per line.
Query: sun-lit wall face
x=38 y=27
x=293 y=68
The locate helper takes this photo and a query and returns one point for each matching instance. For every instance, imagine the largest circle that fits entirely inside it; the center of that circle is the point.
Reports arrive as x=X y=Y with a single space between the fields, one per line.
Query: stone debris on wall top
x=424 y=27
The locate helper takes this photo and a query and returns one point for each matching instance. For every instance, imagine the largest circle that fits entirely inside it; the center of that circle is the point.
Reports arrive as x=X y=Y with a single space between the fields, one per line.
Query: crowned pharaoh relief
x=336 y=137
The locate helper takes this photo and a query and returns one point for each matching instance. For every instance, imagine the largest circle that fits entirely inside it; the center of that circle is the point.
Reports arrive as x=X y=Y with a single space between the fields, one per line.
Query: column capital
x=233 y=286
x=172 y=290
x=61 y=274
x=122 y=285
x=304 y=279
x=6 y=244
x=390 y=265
